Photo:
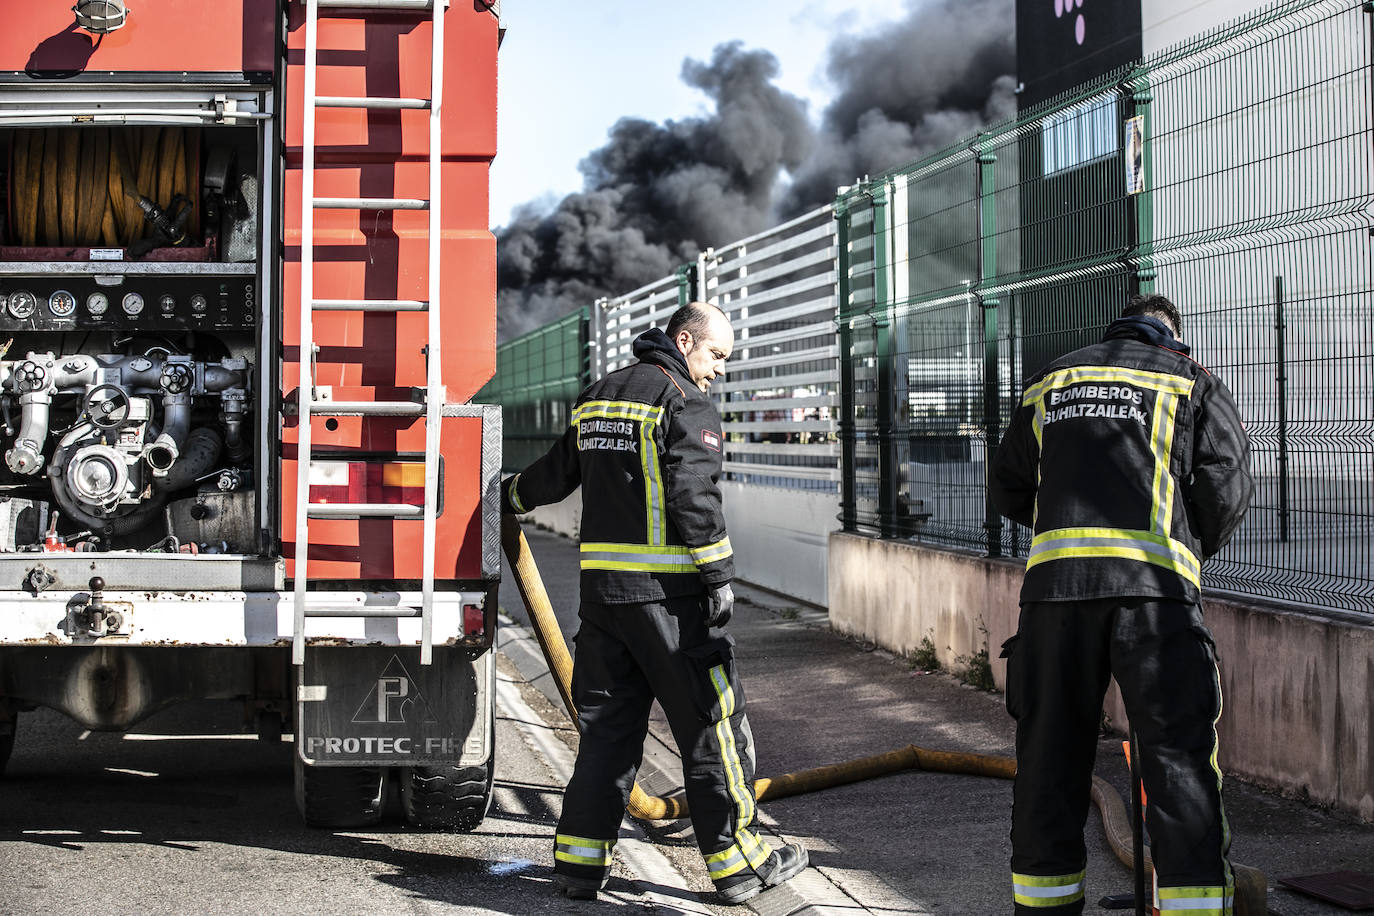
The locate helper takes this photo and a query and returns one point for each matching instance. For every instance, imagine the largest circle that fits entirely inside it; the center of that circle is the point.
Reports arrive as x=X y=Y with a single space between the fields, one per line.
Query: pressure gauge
x=62 y=303
x=167 y=304
x=97 y=303
x=199 y=303
x=22 y=304
x=132 y=303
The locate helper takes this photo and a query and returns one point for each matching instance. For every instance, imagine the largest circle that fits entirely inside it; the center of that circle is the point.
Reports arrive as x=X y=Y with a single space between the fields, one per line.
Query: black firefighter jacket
x=645 y=444
x=1129 y=463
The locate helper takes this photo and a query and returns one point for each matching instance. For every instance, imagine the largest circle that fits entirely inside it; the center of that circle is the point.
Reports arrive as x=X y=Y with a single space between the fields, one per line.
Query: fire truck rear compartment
x=130 y=317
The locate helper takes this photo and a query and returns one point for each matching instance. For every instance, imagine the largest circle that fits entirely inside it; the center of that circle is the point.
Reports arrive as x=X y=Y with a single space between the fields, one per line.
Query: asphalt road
x=188 y=814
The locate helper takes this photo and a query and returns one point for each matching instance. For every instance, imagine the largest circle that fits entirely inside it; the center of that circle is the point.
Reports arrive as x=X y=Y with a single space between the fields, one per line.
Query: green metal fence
x=1231 y=173
x=538 y=376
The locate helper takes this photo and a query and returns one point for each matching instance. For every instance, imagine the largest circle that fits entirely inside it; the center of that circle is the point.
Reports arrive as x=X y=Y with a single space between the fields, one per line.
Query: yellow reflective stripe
x=748 y=849
x=1086 y=375
x=1210 y=900
x=1195 y=901
x=1162 y=444
x=1144 y=546
x=637 y=566
x=754 y=850
x=582 y=851
x=725 y=863
x=711 y=553
x=614 y=410
x=1119 y=553
x=514 y=497
x=637 y=558
x=1048 y=890
x=653 y=482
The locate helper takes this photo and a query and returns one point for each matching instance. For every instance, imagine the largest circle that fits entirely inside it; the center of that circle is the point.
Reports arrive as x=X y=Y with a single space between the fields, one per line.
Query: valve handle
x=107 y=406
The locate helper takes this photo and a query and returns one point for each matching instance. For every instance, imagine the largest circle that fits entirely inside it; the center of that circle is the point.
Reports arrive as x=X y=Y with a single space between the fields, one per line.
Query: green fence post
x=882 y=323
x=1281 y=359
x=587 y=339
x=686 y=281
x=987 y=271
x=849 y=504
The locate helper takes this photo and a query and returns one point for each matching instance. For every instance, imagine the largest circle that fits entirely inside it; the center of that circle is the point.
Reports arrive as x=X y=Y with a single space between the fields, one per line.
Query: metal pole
x=1141 y=205
x=987 y=270
x=1280 y=328
x=887 y=444
x=685 y=275
x=595 y=353
x=848 y=491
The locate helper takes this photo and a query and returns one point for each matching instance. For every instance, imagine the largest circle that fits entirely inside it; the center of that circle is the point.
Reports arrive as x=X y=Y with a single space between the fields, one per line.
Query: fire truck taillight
x=474 y=621
x=367 y=481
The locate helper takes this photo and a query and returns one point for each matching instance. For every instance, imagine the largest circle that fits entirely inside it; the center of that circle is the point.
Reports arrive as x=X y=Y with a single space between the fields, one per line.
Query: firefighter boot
x=782 y=865
x=577 y=888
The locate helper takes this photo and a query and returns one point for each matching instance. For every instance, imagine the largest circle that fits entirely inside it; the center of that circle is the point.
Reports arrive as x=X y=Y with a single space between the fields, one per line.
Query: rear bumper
x=235 y=618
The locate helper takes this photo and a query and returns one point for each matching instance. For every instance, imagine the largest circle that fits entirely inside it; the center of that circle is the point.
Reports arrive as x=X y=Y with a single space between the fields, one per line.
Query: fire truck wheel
x=340 y=796
x=446 y=797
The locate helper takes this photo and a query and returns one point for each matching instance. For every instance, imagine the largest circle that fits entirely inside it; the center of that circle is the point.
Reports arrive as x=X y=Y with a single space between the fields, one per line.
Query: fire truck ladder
x=309 y=402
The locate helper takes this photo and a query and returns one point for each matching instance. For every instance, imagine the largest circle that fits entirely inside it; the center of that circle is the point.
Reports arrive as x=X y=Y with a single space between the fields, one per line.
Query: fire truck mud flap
x=377 y=706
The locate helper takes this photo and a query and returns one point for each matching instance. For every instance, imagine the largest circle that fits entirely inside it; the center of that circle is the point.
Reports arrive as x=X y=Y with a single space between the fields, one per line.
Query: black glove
x=720 y=604
x=507 y=508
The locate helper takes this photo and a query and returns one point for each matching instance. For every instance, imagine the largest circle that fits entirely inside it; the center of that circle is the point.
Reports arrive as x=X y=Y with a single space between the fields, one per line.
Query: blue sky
x=570 y=70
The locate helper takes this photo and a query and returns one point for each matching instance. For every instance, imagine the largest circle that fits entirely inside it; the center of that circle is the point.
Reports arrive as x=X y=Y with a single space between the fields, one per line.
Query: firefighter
x=1128 y=461
x=645 y=446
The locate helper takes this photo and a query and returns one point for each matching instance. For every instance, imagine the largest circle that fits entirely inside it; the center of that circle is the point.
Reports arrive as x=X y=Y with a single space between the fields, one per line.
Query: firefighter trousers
x=626 y=656
x=1164 y=661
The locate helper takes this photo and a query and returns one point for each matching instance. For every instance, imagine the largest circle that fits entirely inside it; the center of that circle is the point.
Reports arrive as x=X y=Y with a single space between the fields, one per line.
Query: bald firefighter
x=645 y=445
x=1129 y=463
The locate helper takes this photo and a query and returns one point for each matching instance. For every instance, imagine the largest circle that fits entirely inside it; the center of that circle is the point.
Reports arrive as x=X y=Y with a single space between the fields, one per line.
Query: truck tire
x=446 y=797
x=340 y=796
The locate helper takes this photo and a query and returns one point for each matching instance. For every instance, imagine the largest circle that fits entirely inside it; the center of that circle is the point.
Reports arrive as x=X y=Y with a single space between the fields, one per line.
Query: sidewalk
x=921 y=843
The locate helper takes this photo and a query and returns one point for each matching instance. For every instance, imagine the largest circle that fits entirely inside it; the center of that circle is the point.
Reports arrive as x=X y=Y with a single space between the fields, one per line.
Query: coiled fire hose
x=81 y=186
x=1251 y=894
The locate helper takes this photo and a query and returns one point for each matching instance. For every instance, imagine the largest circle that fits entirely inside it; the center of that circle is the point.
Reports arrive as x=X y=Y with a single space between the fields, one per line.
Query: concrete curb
x=810 y=893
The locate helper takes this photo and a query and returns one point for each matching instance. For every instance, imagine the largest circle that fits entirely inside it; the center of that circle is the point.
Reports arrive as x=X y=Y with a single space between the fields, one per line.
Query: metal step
x=369 y=305
x=370 y=203
x=363 y=510
x=362 y=611
x=346 y=101
x=366 y=409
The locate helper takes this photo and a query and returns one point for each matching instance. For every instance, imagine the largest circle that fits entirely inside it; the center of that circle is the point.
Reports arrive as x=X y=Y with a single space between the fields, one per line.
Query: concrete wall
x=779 y=536
x=1298 y=689
x=896 y=594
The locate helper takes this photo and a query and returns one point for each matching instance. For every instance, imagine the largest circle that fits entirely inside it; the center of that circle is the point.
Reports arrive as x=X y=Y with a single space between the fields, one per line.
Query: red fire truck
x=247 y=292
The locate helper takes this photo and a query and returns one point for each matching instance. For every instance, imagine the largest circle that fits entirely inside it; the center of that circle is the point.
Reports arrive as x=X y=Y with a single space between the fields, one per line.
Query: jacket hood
x=1146 y=330
x=653 y=346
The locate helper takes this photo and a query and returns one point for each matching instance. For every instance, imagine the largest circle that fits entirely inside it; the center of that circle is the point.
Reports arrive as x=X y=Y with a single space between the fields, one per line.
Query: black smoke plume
x=910 y=90
x=657 y=194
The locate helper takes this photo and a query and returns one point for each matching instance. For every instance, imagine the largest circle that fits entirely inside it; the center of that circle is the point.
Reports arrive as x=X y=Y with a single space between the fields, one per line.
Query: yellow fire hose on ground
x=1251 y=896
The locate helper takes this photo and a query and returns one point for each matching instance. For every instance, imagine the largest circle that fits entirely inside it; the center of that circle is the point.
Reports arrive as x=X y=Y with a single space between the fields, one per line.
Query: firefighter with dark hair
x=1129 y=463
x=645 y=445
